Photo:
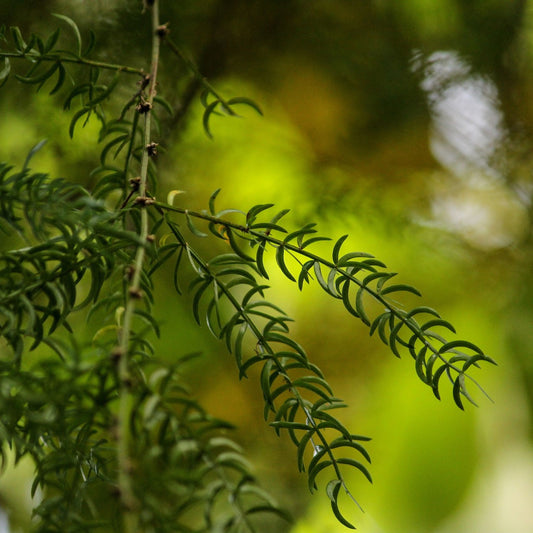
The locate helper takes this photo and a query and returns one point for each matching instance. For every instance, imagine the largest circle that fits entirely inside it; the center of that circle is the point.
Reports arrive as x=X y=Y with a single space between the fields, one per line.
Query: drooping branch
x=362 y=271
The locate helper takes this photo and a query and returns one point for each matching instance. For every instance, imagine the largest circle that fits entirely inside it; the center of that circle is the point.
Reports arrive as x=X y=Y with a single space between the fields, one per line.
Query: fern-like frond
x=356 y=279
x=69 y=237
x=297 y=398
x=198 y=478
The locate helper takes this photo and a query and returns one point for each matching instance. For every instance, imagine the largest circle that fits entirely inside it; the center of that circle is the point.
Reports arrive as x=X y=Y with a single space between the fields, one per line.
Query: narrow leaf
x=194 y=230
x=337 y=248
x=245 y=101
x=280 y=259
x=75 y=29
x=4 y=73
x=332 y=491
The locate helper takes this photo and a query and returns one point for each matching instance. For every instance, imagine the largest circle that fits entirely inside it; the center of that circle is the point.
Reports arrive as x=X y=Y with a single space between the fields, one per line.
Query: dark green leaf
x=207 y=115
x=458 y=386
x=212 y=199
x=235 y=246
x=332 y=491
x=74 y=28
x=17 y=39
x=399 y=288
x=76 y=117
x=280 y=259
x=245 y=101
x=60 y=79
x=194 y=230
x=4 y=73
x=337 y=248
x=51 y=41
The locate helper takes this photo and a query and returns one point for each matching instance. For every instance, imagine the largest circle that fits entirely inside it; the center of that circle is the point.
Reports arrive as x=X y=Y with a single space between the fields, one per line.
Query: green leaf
x=255 y=210
x=314 y=471
x=420 y=365
x=276 y=218
x=332 y=490
x=4 y=73
x=305 y=383
x=194 y=230
x=346 y=300
x=164 y=104
x=60 y=78
x=207 y=115
x=458 y=387
x=356 y=464
x=283 y=424
x=348 y=442
x=32 y=152
x=304 y=441
x=76 y=91
x=280 y=259
x=346 y=260
x=359 y=306
x=245 y=101
x=299 y=233
x=268 y=226
x=51 y=41
x=312 y=240
x=399 y=288
x=20 y=45
x=435 y=380
x=322 y=282
x=104 y=91
x=475 y=358
x=75 y=30
x=212 y=199
x=80 y=113
x=437 y=322
x=337 y=248
x=235 y=246
x=452 y=345
x=40 y=78
x=90 y=45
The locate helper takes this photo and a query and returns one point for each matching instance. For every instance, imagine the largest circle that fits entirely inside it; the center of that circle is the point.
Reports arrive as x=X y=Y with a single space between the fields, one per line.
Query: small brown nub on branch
x=116 y=354
x=152 y=149
x=162 y=31
x=135 y=183
x=135 y=293
x=143 y=201
x=129 y=271
x=144 y=82
x=143 y=106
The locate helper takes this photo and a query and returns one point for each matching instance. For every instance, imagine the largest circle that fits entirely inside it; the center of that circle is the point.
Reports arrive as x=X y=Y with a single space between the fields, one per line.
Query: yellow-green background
x=355 y=96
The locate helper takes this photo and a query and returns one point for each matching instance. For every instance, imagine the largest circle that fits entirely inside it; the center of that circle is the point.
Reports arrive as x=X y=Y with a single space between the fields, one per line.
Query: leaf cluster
x=69 y=237
x=359 y=281
x=112 y=418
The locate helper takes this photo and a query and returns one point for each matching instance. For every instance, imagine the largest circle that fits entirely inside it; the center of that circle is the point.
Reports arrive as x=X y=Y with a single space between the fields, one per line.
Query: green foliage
x=111 y=419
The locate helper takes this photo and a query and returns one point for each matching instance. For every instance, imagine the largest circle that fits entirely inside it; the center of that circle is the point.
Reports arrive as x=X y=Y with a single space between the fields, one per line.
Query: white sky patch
x=467 y=121
x=466 y=137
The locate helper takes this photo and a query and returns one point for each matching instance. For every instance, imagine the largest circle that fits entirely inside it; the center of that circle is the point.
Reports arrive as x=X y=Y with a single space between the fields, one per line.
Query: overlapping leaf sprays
x=296 y=395
x=119 y=418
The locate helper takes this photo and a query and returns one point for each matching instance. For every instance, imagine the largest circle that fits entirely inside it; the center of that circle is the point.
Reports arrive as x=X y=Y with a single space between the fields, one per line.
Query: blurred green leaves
x=90 y=417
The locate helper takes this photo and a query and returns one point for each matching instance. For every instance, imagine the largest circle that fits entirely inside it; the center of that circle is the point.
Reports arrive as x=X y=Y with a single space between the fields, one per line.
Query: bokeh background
x=407 y=125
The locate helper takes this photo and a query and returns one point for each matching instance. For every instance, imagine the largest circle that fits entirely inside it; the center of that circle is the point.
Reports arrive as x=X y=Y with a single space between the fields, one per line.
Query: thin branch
x=265 y=343
x=75 y=60
x=197 y=74
x=397 y=313
x=132 y=297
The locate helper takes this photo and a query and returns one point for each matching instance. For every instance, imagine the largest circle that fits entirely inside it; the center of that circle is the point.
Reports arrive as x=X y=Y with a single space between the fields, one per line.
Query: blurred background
x=407 y=125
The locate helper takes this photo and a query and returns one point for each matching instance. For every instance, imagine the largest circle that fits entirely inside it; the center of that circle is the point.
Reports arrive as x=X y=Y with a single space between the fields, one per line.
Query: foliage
x=111 y=417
